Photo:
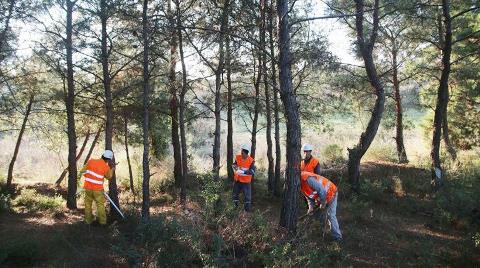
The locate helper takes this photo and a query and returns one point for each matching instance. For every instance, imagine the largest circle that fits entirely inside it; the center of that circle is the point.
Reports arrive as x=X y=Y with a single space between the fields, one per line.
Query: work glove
x=240 y=172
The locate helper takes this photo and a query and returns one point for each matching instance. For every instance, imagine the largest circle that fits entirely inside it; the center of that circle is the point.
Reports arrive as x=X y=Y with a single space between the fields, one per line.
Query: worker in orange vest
x=309 y=163
x=318 y=189
x=244 y=167
x=94 y=173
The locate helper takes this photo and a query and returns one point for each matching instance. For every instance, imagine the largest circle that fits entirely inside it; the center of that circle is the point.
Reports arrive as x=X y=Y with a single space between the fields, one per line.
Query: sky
x=336 y=32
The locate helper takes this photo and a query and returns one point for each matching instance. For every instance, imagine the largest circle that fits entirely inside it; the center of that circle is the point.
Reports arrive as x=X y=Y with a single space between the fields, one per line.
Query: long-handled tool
x=113 y=203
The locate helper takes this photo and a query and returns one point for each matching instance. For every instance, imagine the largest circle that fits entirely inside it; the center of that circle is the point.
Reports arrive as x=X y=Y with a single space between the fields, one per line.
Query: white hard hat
x=307 y=147
x=245 y=147
x=108 y=154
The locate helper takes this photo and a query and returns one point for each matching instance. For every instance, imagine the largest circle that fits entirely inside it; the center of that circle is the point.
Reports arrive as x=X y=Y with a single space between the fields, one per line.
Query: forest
x=248 y=133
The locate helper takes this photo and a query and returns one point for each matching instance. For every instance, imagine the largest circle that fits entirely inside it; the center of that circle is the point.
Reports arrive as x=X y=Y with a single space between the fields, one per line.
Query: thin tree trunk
x=366 y=47
x=218 y=85
x=79 y=154
x=112 y=184
x=288 y=217
x=445 y=133
x=94 y=143
x=256 y=108
x=278 y=153
x=130 y=173
x=146 y=104
x=183 y=189
x=70 y=105
x=3 y=34
x=267 y=99
x=442 y=100
x=229 y=110
x=19 y=141
x=177 y=167
x=402 y=154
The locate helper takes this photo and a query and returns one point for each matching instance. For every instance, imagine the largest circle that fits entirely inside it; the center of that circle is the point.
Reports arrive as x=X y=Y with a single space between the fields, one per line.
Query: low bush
x=33 y=201
x=333 y=155
x=381 y=153
x=5 y=202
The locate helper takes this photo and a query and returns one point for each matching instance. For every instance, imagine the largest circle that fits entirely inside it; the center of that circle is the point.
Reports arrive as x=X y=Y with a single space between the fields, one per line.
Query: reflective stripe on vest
x=94 y=174
x=94 y=181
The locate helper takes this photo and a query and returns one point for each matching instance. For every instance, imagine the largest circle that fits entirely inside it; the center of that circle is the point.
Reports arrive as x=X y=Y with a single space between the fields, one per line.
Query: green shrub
x=210 y=195
x=381 y=153
x=33 y=201
x=155 y=242
x=5 y=203
x=333 y=154
x=22 y=252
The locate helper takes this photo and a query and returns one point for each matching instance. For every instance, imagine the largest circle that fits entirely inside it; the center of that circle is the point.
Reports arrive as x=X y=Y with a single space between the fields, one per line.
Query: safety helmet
x=245 y=147
x=307 y=147
x=108 y=154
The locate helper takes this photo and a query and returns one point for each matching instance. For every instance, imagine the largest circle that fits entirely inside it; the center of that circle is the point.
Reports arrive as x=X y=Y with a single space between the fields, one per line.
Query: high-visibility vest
x=310 y=167
x=95 y=173
x=243 y=164
x=309 y=192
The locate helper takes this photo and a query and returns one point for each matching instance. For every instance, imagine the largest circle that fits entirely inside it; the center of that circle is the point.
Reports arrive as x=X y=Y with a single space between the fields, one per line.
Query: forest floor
x=395 y=221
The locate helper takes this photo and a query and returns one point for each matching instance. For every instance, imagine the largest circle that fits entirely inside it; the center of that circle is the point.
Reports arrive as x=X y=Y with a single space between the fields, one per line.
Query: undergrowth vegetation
x=32 y=201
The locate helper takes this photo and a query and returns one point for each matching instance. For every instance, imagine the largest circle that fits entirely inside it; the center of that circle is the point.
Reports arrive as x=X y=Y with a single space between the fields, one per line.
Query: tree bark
x=442 y=99
x=267 y=99
x=112 y=183
x=146 y=104
x=228 y=66
x=19 y=141
x=446 y=139
x=79 y=154
x=70 y=106
x=288 y=217
x=366 y=47
x=177 y=167
x=256 y=108
x=218 y=85
x=183 y=184
x=130 y=173
x=402 y=154
x=278 y=153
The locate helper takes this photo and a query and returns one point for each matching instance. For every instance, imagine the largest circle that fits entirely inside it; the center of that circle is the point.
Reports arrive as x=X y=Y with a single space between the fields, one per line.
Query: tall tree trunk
x=256 y=108
x=70 y=105
x=177 y=170
x=79 y=154
x=19 y=141
x=228 y=67
x=130 y=173
x=3 y=34
x=267 y=98
x=183 y=184
x=366 y=47
x=218 y=85
x=402 y=154
x=112 y=184
x=146 y=104
x=446 y=139
x=94 y=143
x=288 y=217
x=442 y=99
x=276 y=108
